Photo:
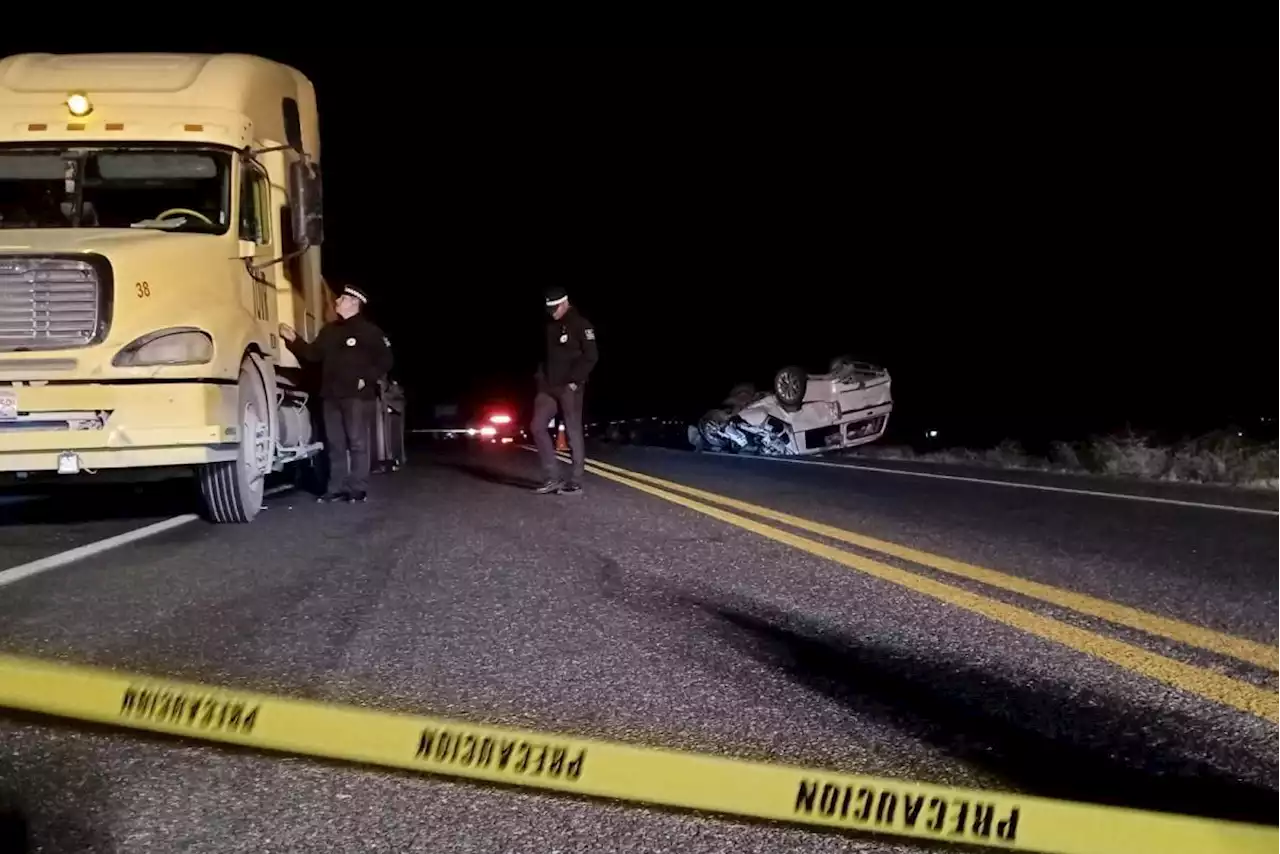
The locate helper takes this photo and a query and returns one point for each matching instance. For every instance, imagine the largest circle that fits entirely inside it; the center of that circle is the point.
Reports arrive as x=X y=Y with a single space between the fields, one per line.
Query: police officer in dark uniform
x=353 y=355
x=562 y=379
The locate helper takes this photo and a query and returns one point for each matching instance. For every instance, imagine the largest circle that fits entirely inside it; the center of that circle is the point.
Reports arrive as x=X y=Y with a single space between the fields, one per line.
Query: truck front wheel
x=232 y=491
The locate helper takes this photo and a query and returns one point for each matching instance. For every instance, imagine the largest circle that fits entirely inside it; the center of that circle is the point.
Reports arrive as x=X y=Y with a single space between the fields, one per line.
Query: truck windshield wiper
x=171 y=224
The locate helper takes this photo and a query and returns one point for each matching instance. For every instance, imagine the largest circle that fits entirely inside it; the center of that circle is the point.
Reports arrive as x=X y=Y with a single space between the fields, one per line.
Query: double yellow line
x=1194 y=679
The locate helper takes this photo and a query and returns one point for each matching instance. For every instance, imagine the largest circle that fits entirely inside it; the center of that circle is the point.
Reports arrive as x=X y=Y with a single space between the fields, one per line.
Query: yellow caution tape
x=808 y=796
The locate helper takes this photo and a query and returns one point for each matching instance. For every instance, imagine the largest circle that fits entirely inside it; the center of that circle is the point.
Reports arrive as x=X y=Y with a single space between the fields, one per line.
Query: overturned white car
x=806 y=414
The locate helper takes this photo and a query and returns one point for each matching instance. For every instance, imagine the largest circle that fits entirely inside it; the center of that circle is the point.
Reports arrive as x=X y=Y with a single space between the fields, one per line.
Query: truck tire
x=378 y=439
x=230 y=491
x=388 y=439
x=395 y=428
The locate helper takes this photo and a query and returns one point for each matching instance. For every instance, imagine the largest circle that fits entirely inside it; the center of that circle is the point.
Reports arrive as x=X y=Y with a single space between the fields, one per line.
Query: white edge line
x=1151 y=499
x=26 y=570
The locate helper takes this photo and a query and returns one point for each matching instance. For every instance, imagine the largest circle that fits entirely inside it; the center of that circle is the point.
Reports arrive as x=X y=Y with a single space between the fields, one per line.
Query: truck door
x=255 y=226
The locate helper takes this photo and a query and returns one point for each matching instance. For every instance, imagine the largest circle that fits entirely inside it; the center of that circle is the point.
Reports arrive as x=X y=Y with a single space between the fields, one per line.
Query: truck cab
x=160 y=217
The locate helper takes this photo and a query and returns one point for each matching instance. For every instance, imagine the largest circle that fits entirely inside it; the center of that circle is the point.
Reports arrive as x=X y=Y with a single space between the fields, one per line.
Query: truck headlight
x=182 y=345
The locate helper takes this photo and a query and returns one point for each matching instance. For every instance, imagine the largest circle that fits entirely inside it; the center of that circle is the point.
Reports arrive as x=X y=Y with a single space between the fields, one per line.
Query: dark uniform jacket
x=570 y=351
x=348 y=350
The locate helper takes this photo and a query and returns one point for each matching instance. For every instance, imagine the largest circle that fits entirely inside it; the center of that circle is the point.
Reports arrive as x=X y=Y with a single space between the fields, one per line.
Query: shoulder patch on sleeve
x=589 y=334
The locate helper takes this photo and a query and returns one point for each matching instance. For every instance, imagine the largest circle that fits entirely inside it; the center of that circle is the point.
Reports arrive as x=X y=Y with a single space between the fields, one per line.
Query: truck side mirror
x=306 y=203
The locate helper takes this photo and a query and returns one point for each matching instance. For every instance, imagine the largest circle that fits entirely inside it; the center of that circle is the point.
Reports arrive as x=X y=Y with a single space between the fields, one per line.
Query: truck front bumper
x=116 y=425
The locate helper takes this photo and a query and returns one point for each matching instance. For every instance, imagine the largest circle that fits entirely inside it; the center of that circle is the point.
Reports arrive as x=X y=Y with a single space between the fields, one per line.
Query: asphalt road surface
x=1050 y=641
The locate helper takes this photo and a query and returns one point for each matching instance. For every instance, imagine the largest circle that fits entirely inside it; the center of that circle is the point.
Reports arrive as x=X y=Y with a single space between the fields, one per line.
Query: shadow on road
x=507 y=467
x=47 y=807
x=13 y=831
x=62 y=505
x=1035 y=735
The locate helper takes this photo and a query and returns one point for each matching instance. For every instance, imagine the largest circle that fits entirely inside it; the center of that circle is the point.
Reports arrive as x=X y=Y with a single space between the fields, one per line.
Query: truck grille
x=48 y=303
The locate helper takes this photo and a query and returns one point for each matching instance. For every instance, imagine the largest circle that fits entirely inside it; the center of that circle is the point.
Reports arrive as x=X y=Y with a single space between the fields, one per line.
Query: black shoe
x=550 y=486
x=358 y=497
x=332 y=497
x=569 y=489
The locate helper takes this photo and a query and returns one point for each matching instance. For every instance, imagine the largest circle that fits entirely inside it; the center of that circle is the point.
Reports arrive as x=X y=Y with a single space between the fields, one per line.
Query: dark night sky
x=1032 y=244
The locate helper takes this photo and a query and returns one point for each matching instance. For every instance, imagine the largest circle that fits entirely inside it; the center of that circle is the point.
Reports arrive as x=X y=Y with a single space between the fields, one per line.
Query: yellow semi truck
x=160 y=216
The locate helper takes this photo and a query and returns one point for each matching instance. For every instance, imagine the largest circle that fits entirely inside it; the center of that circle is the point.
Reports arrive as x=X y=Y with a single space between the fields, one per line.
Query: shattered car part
x=806 y=414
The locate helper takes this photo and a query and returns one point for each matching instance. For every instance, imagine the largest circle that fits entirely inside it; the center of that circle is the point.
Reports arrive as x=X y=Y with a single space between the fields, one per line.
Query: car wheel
x=707 y=426
x=842 y=367
x=790 y=385
x=740 y=396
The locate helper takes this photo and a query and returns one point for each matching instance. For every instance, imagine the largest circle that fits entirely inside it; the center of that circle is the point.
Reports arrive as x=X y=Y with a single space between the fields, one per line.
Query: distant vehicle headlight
x=182 y=345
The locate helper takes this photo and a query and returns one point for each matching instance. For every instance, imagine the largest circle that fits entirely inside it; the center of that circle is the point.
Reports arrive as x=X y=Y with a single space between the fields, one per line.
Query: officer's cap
x=556 y=295
x=349 y=291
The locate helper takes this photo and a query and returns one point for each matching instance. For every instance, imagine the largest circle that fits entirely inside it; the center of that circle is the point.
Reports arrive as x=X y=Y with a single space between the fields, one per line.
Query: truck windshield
x=99 y=187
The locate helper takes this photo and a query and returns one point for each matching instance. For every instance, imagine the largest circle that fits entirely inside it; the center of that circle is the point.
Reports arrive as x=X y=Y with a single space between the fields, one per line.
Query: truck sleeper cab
x=160 y=217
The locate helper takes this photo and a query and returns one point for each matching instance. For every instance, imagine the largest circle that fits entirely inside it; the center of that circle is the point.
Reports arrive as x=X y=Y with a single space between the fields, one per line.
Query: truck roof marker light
x=193 y=128
x=39 y=126
x=115 y=126
x=75 y=125
x=78 y=104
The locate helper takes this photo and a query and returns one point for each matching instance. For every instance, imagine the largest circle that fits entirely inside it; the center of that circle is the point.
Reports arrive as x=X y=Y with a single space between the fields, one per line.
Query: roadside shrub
x=1221 y=457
